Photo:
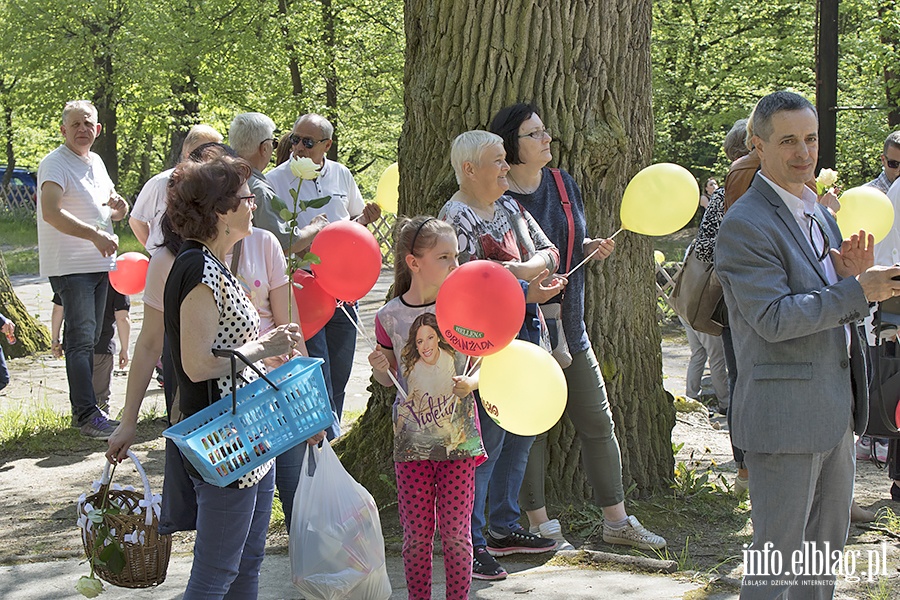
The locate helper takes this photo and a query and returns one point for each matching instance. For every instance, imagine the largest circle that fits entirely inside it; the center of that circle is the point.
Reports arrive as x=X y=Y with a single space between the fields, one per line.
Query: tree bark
x=587 y=66
x=31 y=335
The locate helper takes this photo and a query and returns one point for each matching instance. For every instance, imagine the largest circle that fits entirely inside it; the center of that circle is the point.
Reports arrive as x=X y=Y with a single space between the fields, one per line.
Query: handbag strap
x=236 y=256
x=570 y=218
x=876 y=368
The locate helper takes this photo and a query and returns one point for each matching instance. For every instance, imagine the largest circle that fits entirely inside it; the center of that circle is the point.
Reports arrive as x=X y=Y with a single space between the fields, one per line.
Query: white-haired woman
x=493 y=226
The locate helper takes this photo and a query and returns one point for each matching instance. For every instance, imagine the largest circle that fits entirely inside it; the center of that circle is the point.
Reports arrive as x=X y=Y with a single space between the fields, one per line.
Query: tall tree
x=587 y=65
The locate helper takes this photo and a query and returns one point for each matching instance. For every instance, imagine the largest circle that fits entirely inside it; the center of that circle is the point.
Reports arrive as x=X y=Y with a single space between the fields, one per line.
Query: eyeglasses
x=826 y=243
x=250 y=200
x=537 y=135
x=308 y=143
x=274 y=143
x=892 y=164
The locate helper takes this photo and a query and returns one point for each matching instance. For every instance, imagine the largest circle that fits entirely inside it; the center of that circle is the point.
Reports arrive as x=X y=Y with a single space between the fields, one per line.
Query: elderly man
x=151 y=202
x=890 y=163
x=794 y=295
x=76 y=205
x=311 y=138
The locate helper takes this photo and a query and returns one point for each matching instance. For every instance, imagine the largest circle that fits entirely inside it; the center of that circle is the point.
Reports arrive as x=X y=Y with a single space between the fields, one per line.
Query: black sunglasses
x=308 y=143
x=892 y=164
x=826 y=245
x=274 y=143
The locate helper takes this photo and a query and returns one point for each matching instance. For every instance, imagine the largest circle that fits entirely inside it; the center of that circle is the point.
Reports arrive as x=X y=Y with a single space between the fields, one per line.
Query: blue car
x=21 y=193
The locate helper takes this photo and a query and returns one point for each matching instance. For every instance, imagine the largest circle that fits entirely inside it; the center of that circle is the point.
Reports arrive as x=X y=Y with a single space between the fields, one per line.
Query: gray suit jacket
x=797 y=390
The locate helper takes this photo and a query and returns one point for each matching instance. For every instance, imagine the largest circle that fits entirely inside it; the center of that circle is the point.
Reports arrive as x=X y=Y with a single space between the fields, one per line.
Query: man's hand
x=857 y=254
x=370 y=214
x=880 y=283
x=118 y=207
x=540 y=291
x=106 y=243
x=604 y=248
x=56 y=349
x=123 y=358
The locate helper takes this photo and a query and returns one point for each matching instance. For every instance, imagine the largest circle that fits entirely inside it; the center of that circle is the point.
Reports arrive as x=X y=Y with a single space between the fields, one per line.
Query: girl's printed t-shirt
x=430 y=423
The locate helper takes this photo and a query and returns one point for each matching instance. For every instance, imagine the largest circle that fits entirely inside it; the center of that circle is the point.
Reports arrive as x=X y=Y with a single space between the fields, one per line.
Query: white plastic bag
x=336 y=545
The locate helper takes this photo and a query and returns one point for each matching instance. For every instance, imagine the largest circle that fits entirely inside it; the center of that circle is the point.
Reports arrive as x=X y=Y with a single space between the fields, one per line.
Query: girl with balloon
x=541 y=191
x=436 y=438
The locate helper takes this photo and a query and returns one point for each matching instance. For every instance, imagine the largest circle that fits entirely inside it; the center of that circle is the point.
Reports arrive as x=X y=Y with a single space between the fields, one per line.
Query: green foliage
x=689 y=483
x=712 y=59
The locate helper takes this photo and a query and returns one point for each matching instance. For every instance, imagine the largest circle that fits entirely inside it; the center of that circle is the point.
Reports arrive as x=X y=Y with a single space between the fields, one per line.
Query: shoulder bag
x=697 y=297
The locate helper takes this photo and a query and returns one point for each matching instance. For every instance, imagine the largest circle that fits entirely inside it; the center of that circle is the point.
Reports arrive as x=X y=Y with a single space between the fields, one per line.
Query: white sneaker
x=552 y=530
x=633 y=534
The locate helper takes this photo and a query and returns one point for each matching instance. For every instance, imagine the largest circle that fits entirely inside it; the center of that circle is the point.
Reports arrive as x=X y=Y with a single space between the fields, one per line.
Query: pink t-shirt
x=262 y=268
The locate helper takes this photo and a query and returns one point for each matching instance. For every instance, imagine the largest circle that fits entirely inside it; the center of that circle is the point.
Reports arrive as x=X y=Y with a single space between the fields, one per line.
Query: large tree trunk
x=587 y=66
x=31 y=335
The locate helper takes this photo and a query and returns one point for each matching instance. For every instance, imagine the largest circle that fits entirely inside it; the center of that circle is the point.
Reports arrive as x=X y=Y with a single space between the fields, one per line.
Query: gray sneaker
x=99 y=428
x=633 y=534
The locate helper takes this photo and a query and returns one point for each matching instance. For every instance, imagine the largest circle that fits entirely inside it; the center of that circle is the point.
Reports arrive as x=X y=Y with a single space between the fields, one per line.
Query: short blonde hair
x=469 y=147
x=197 y=136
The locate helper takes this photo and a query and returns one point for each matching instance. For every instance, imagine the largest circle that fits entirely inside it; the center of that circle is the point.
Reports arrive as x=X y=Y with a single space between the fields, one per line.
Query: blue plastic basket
x=265 y=418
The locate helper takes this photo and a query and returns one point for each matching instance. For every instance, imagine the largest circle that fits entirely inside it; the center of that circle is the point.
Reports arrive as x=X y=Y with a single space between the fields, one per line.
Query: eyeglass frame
x=540 y=133
x=892 y=164
x=827 y=241
x=308 y=142
x=250 y=200
x=274 y=143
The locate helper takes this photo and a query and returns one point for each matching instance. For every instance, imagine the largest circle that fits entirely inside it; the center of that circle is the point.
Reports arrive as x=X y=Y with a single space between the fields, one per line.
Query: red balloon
x=315 y=306
x=480 y=308
x=130 y=275
x=351 y=260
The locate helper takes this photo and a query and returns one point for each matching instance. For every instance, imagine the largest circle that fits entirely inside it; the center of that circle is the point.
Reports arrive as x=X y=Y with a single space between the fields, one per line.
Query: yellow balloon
x=523 y=388
x=659 y=257
x=387 y=194
x=659 y=200
x=865 y=208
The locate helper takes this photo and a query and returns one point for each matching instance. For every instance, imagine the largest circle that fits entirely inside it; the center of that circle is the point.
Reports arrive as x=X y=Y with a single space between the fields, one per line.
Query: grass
x=19 y=242
x=43 y=430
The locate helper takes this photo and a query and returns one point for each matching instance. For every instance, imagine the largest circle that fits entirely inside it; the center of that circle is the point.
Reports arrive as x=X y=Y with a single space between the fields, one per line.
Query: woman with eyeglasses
x=542 y=192
x=206 y=309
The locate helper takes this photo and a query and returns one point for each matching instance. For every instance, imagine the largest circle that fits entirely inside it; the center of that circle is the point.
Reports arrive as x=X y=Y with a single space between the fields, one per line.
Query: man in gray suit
x=794 y=294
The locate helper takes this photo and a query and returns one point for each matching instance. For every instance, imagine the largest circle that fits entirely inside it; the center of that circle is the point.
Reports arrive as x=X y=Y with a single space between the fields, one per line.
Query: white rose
x=827 y=178
x=304 y=168
x=89 y=587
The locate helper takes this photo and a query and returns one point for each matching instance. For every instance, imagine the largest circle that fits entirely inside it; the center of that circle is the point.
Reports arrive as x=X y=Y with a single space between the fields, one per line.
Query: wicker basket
x=146 y=561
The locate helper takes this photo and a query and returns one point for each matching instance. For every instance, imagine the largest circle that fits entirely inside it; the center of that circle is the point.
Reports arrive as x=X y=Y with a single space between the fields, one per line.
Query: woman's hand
x=463 y=385
x=540 y=291
x=379 y=361
x=120 y=441
x=316 y=438
x=281 y=340
x=603 y=247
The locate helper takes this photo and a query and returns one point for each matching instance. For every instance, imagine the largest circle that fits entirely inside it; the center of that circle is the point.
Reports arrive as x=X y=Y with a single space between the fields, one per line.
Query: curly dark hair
x=202 y=191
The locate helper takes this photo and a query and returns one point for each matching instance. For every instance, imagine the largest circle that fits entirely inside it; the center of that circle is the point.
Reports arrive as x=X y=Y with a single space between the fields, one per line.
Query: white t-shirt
x=150 y=206
x=334 y=180
x=86 y=190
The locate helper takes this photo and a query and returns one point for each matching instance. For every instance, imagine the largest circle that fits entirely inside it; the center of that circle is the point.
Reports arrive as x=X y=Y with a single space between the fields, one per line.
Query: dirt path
x=38 y=492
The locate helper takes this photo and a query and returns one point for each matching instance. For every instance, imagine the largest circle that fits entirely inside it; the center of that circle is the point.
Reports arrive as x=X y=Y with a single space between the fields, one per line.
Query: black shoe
x=519 y=541
x=484 y=566
x=895 y=492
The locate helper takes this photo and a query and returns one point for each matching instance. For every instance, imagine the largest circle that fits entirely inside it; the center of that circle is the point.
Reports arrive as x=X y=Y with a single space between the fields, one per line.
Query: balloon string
x=474 y=365
x=589 y=256
x=362 y=332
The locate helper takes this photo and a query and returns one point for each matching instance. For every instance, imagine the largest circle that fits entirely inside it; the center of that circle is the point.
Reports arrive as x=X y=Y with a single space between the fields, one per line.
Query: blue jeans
x=503 y=473
x=231 y=540
x=84 y=298
x=335 y=344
